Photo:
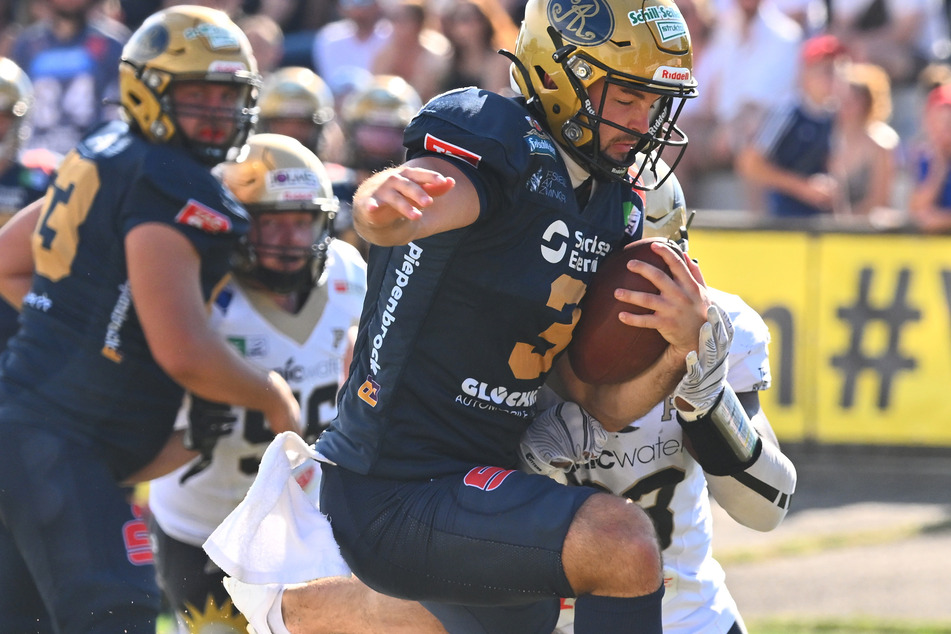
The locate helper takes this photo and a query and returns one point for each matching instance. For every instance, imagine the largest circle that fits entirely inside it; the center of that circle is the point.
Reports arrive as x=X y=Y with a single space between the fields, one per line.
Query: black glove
x=207 y=422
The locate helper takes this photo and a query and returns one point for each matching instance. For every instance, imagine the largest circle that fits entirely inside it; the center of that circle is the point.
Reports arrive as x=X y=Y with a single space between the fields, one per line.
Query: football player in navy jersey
x=481 y=253
x=23 y=178
x=130 y=244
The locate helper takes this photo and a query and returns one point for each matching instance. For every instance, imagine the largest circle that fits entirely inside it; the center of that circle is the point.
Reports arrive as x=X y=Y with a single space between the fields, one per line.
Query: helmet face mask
x=665 y=210
x=564 y=48
x=279 y=176
x=188 y=44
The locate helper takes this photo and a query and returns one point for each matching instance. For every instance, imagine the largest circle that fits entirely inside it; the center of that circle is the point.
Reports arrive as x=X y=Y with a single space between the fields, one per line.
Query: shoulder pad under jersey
x=482 y=130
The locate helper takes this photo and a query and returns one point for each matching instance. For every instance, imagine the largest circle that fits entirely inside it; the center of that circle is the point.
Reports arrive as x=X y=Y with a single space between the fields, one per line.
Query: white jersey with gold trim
x=306 y=348
x=647 y=463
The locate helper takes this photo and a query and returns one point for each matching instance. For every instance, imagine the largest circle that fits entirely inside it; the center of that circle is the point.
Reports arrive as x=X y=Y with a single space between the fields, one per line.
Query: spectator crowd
x=806 y=107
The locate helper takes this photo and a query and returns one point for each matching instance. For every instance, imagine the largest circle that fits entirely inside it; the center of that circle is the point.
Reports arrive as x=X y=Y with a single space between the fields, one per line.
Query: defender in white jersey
x=649 y=463
x=296 y=295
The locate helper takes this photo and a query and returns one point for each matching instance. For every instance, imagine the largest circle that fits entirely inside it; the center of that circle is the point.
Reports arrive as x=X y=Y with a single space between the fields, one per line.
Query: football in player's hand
x=603 y=349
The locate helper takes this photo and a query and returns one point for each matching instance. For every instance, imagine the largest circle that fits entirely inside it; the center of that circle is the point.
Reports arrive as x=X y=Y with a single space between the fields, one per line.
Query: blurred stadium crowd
x=806 y=107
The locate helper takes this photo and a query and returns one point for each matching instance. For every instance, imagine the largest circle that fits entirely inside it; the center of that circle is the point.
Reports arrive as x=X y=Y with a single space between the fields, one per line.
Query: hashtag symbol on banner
x=890 y=362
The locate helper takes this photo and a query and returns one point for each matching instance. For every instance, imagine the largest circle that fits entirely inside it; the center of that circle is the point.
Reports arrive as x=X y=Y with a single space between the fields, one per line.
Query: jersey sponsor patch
x=486 y=478
x=203 y=217
x=540 y=144
x=435 y=144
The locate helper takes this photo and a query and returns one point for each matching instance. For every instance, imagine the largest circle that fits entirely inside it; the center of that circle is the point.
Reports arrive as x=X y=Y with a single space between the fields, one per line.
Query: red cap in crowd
x=940 y=96
x=821 y=48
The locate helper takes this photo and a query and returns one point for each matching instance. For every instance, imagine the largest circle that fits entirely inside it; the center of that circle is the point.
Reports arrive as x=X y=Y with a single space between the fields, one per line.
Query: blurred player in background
x=296 y=294
x=23 y=177
x=373 y=118
x=132 y=240
x=296 y=102
x=653 y=462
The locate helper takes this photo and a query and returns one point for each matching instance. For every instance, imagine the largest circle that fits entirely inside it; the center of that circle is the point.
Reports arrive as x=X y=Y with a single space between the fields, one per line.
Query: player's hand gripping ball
x=603 y=349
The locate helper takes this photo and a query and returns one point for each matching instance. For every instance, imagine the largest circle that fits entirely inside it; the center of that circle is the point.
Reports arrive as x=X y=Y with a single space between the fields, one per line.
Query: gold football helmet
x=374 y=117
x=187 y=43
x=665 y=209
x=565 y=46
x=16 y=99
x=278 y=174
x=296 y=92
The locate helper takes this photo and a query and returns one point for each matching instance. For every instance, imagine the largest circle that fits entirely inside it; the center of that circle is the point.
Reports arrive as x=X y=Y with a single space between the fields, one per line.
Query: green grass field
x=851 y=626
x=166 y=625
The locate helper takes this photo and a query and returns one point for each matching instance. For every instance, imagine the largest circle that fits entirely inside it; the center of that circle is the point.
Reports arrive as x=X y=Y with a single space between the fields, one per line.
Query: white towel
x=277 y=534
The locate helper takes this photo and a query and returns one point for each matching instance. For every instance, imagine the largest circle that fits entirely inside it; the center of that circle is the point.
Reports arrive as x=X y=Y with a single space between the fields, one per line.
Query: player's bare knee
x=612 y=549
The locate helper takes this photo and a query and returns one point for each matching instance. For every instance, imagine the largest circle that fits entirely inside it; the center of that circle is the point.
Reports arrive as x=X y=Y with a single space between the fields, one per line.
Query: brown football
x=603 y=349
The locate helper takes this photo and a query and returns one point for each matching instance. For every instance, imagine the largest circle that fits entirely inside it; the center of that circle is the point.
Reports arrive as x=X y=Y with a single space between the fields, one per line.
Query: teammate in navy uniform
x=23 y=179
x=131 y=242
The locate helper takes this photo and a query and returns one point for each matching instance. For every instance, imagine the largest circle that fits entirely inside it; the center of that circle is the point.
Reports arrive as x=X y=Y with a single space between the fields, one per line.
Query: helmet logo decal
x=670 y=24
x=152 y=43
x=217 y=37
x=670 y=73
x=224 y=66
x=582 y=22
x=292 y=177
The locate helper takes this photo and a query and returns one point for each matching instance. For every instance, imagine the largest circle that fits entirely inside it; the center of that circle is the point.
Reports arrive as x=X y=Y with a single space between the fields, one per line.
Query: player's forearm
x=16 y=265
x=172 y=456
x=390 y=230
x=759 y=496
x=207 y=366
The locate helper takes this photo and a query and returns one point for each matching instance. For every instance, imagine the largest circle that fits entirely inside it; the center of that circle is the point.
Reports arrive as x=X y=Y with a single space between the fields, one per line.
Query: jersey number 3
x=65 y=208
x=529 y=361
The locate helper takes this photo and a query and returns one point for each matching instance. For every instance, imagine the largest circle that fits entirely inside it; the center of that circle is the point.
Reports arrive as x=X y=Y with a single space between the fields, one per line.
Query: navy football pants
x=71 y=549
x=481 y=550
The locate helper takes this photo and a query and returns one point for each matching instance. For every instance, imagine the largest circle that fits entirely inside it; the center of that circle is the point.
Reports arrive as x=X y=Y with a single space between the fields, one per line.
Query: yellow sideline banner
x=860 y=326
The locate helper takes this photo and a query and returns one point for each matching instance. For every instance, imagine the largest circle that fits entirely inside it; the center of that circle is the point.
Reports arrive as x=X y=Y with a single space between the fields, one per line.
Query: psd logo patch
x=582 y=22
x=195 y=214
x=369 y=392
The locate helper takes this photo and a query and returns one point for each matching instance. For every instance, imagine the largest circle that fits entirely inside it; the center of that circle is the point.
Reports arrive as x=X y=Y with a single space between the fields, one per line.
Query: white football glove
x=560 y=437
x=706 y=373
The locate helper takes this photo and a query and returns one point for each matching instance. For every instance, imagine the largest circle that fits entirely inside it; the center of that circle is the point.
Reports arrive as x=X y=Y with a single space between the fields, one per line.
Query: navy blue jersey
x=80 y=363
x=460 y=329
x=20 y=184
